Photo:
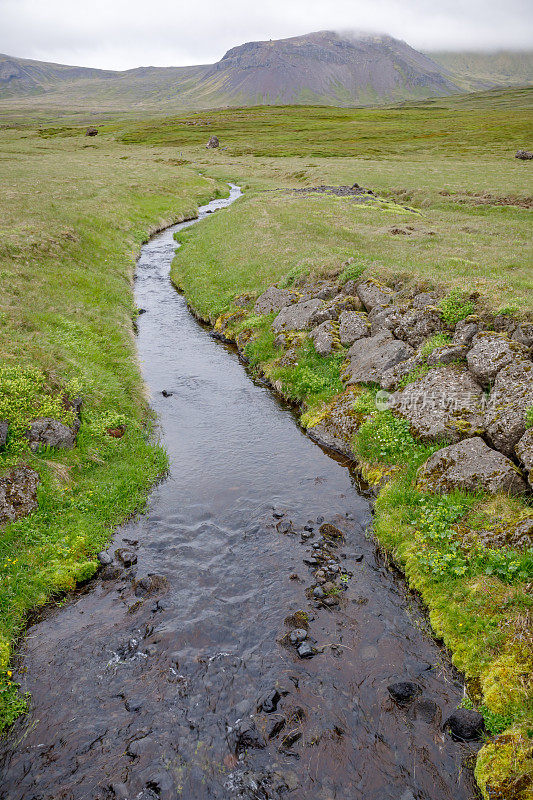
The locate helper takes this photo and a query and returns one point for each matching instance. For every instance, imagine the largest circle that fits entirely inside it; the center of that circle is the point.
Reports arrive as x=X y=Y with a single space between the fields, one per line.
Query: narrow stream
x=138 y=688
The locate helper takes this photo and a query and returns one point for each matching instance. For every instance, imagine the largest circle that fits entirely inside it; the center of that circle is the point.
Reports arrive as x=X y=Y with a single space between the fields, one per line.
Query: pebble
x=104 y=558
x=318 y=592
x=305 y=650
x=297 y=635
x=128 y=557
x=270 y=703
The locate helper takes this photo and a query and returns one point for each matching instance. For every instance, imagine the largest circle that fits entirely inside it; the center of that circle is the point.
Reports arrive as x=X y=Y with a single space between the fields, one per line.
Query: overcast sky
x=119 y=34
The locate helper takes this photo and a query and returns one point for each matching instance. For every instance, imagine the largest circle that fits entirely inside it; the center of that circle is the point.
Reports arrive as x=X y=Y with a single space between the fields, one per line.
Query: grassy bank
x=74 y=215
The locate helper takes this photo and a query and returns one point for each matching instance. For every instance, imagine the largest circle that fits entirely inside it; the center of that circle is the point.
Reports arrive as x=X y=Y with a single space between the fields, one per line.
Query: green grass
x=73 y=218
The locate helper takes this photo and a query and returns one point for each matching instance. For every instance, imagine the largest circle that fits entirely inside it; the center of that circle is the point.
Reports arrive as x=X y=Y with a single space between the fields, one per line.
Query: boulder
x=372 y=356
x=505 y=323
x=325 y=338
x=385 y=318
x=48 y=432
x=319 y=290
x=470 y=465
x=524 y=155
x=505 y=414
x=524 y=334
x=274 y=299
x=403 y=692
x=212 y=143
x=332 y=309
x=425 y=299
x=91 y=131
x=447 y=354
x=18 y=494
x=419 y=324
x=392 y=377
x=353 y=325
x=490 y=352
x=372 y=293
x=465 y=724
x=296 y=317
x=524 y=451
x=465 y=330
x=4 y=427
x=444 y=405
x=338 y=424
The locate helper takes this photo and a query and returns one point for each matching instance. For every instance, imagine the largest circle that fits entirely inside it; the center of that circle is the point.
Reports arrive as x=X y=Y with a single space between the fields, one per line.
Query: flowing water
x=146 y=689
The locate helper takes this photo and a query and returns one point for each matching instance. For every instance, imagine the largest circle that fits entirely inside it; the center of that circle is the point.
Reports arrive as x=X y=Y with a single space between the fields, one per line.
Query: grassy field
x=452 y=209
x=73 y=217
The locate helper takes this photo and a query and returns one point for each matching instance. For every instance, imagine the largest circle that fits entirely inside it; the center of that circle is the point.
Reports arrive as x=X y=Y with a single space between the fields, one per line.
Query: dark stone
x=465 y=725
x=285 y=527
x=278 y=513
x=244 y=736
x=403 y=691
x=4 y=427
x=212 y=143
x=149 y=584
x=270 y=702
x=276 y=727
x=524 y=155
x=305 y=650
x=91 y=131
x=427 y=710
x=297 y=636
x=48 y=432
x=290 y=739
x=104 y=558
x=330 y=530
x=18 y=494
x=128 y=557
x=167 y=393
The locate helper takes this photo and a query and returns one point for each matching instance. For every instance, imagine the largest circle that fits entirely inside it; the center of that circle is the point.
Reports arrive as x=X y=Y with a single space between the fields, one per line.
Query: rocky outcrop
x=371 y=357
x=446 y=405
x=337 y=424
x=524 y=451
x=419 y=324
x=274 y=299
x=524 y=334
x=385 y=318
x=18 y=494
x=353 y=325
x=510 y=398
x=297 y=317
x=470 y=465
x=491 y=352
x=449 y=354
x=325 y=338
x=465 y=330
x=332 y=309
x=48 y=432
x=372 y=293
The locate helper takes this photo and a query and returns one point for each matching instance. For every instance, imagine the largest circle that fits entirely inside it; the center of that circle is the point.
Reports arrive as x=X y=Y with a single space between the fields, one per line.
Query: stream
x=145 y=682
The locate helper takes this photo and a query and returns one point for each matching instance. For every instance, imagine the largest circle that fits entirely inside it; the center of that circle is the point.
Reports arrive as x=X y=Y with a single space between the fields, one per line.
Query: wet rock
x=470 y=465
x=447 y=355
x=212 y=143
x=297 y=317
x=276 y=727
x=491 y=352
x=290 y=739
x=245 y=736
x=403 y=692
x=149 y=584
x=297 y=636
x=269 y=703
x=330 y=601
x=353 y=325
x=318 y=592
x=4 y=427
x=419 y=324
x=325 y=337
x=524 y=155
x=305 y=650
x=18 y=494
x=285 y=527
x=127 y=557
x=371 y=357
x=524 y=451
x=465 y=330
x=465 y=725
x=444 y=405
x=48 y=432
x=372 y=293
x=524 y=334
x=167 y=393
x=278 y=513
x=274 y=299
x=427 y=710
x=511 y=396
x=337 y=424
x=104 y=558
x=327 y=529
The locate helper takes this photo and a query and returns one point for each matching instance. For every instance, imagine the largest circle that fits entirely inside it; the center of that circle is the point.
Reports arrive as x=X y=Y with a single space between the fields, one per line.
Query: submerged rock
x=18 y=494
x=274 y=299
x=149 y=584
x=465 y=725
x=470 y=465
x=371 y=357
x=511 y=396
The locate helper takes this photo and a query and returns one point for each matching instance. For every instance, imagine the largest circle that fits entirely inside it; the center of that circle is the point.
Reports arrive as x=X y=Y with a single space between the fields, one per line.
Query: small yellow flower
x=9 y=673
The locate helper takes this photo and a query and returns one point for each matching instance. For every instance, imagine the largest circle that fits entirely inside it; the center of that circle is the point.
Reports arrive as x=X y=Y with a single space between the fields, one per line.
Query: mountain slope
x=322 y=68
x=477 y=71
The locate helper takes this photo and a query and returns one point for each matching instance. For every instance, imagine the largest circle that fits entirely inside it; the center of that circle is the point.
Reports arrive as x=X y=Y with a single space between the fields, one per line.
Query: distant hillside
x=475 y=71
x=323 y=68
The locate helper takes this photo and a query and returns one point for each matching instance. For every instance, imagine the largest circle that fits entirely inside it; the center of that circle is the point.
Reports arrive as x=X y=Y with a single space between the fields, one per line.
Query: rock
x=285 y=527
x=167 y=393
x=505 y=323
x=245 y=736
x=524 y=451
x=337 y=424
x=321 y=290
x=470 y=465
x=465 y=330
x=274 y=299
x=511 y=396
x=305 y=650
x=297 y=317
x=276 y=727
x=427 y=710
x=91 y=131
x=524 y=155
x=18 y=494
x=465 y=725
x=353 y=325
x=490 y=353
x=325 y=337
x=47 y=432
x=281 y=341
x=149 y=584
x=128 y=557
x=332 y=309
x=212 y=143
x=392 y=377
x=524 y=334
x=331 y=531
x=403 y=691
x=425 y=299
x=371 y=357
x=372 y=293
x=385 y=318
x=330 y=601
x=419 y=324
x=104 y=558
x=350 y=287
x=4 y=427
x=448 y=354
x=140 y=747
x=444 y=405
x=270 y=702
x=521 y=537
x=297 y=635
x=318 y=592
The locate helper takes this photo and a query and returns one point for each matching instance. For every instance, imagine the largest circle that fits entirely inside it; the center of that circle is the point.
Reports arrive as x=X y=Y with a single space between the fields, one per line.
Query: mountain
x=478 y=71
x=323 y=68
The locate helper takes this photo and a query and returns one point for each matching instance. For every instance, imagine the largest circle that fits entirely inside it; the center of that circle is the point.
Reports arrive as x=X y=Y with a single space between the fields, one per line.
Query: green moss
x=456 y=307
